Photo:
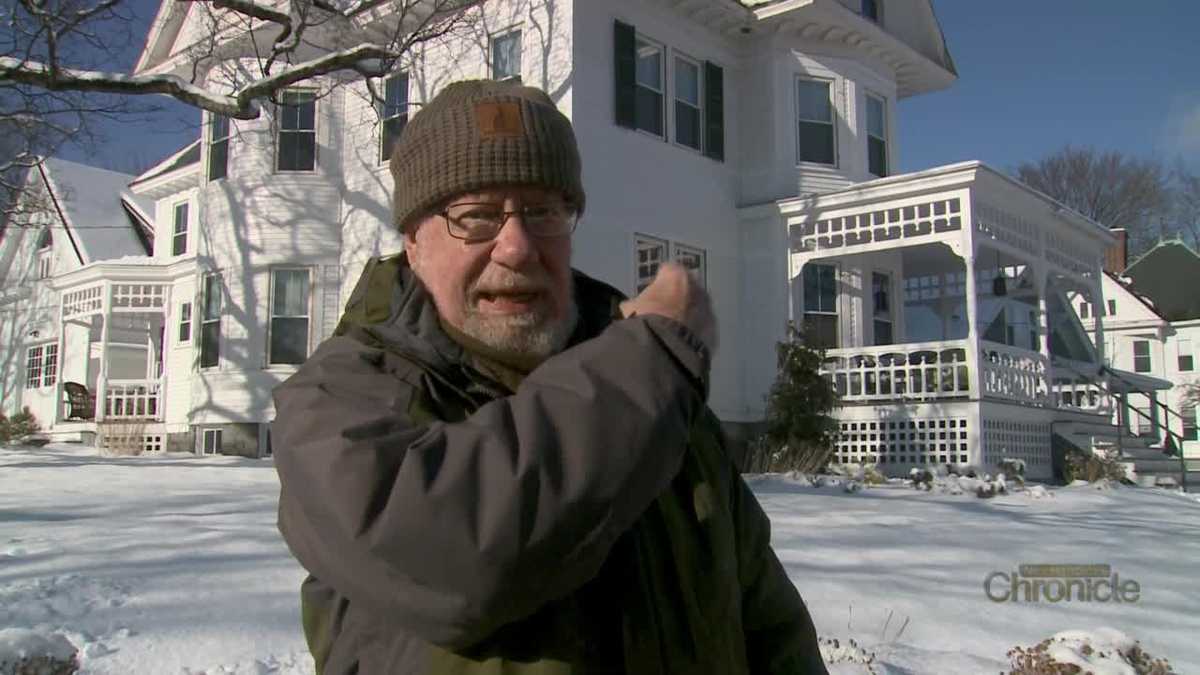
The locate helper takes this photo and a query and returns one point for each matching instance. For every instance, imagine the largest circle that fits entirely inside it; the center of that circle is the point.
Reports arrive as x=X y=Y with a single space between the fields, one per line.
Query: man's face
x=513 y=292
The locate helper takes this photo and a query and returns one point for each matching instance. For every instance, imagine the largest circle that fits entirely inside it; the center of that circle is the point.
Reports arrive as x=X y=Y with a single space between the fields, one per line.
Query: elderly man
x=499 y=465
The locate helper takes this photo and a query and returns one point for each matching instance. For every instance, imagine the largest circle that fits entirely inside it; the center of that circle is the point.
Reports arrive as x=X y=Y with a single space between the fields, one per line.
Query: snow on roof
x=183 y=157
x=89 y=200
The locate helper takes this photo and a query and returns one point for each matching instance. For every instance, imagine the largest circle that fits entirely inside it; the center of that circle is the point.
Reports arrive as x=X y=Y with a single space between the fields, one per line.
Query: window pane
x=298 y=110
x=297 y=151
x=687 y=82
x=289 y=340
x=395 y=95
x=181 y=218
x=876 y=156
x=218 y=160
x=687 y=125
x=875 y=119
x=506 y=56
x=649 y=111
x=1141 y=348
x=185 y=322
x=210 y=344
x=179 y=244
x=649 y=65
x=820 y=330
x=883 y=332
x=212 y=297
x=291 y=293
x=813 y=101
x=219 y=127
x=392 y=128
x=816 y=142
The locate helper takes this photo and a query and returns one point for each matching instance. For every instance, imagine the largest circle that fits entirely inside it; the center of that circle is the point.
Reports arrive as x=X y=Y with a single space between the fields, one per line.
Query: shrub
x=18 y=426
x=800 y=432
x=1038 y=660
x=1091 y=467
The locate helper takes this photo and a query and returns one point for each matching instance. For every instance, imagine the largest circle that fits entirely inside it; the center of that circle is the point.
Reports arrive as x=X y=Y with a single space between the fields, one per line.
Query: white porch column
x=974 y=357
x=102 y=379
x=62 y=361
x=1099 y=310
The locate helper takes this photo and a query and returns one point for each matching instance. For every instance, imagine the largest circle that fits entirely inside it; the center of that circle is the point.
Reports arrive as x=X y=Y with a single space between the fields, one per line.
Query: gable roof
x=1169 y=275
x=88 y=202
x=184 y=157
x=1126 y=286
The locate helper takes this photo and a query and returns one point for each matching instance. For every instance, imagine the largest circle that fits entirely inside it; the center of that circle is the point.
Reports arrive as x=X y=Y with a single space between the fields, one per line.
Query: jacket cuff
x=689 y=351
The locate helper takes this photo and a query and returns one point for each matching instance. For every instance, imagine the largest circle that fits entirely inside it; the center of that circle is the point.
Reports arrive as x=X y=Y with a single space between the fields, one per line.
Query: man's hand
x=675 y=294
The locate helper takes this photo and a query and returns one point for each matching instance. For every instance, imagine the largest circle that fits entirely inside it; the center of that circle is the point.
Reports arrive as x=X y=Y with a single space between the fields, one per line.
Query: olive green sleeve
x=780 y=636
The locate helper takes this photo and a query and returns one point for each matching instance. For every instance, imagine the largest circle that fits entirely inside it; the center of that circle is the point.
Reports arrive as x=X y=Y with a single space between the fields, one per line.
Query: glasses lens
x=549 y=220
x=474 y=221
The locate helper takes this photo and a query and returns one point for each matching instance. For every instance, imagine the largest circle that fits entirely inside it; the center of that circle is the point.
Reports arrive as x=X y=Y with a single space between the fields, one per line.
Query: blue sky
x=1033 y=76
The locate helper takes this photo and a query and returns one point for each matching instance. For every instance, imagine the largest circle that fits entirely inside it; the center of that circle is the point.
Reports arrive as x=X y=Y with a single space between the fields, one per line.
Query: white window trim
x=32 y=361
x=187 y=228
x=191 y=323
x=677 y=248
x=492 y=38
x=840 y=336
x=216 y=435
x=45 y=260
x=638 y=238
x=316 y=131
x=887 y=132
x=383 y=161
x=663 y=73
x=212 y=141
x=700 y=82
x=271 y=315
x=198 y=338
x=832 y=82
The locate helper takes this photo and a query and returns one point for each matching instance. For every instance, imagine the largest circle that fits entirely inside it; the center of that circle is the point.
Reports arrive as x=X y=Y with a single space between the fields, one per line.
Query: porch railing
x=919 y=371
x=1081 y=387
x=1013 y=374
x=133 y=399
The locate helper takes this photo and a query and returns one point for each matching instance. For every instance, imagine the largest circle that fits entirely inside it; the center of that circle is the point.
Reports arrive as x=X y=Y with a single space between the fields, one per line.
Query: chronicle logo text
x=1061 y=583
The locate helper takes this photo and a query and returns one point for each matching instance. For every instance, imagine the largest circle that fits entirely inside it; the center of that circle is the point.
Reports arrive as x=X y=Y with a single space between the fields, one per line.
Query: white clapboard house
x=755 y=142
x=1150 y=320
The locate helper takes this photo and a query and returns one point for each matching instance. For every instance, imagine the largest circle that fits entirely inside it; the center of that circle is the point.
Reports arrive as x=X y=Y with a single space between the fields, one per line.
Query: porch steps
x=1151 y=465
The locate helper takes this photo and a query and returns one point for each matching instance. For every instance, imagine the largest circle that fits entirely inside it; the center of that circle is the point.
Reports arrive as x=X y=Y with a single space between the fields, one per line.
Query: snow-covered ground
x=172 y=565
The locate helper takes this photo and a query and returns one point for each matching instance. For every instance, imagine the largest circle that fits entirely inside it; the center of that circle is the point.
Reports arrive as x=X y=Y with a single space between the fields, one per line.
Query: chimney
x=1116 y=258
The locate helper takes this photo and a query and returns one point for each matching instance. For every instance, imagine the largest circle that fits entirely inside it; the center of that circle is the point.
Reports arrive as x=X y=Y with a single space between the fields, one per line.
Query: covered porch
x=945 y=291
x=111 y=341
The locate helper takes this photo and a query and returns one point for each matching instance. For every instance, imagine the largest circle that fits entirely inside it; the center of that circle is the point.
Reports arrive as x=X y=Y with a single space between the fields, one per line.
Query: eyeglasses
x=476 y=222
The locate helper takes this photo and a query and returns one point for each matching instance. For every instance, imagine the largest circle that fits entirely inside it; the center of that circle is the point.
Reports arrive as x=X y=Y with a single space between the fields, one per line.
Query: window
x=297 y=131
x=877 y=156
x=687 y=102
x=651 y=254
x=212 y=442
x=50 y=365
x=289 y=316
x=820 y=305
x=210 y=322
x=506 y=56
x=814 y=111
x=1112 y=307
x=394 y=113
x=881 y=294
x=649 y=87
x=695 y=260
x=1141 y=356
x=218 y=146
x=185 y=323
x=45 y=254
x=1188 y=412
x=33 y=368
x=697 y=117
x=1083 y=310
x=179 y=242
x=1185 y=355
x=870 y=10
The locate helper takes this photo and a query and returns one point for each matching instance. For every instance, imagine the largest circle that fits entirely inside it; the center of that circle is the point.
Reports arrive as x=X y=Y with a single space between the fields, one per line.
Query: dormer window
x=45 y=254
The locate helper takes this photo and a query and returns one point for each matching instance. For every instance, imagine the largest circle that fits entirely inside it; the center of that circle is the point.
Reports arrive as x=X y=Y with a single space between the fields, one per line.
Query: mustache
x=508 y=282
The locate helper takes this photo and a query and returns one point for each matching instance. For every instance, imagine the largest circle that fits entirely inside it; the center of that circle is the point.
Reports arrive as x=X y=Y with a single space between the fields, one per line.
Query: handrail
x=1177 y=438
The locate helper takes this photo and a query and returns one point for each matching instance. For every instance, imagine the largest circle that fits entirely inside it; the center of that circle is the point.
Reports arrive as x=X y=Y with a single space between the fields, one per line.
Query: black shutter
x=625 y=66
x=714 y=111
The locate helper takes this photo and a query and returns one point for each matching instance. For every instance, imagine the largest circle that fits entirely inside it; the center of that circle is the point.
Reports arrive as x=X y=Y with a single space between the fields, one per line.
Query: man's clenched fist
x=675 y=294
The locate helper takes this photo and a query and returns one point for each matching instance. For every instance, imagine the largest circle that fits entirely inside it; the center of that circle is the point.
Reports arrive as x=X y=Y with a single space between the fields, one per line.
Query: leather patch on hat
x=498 y=119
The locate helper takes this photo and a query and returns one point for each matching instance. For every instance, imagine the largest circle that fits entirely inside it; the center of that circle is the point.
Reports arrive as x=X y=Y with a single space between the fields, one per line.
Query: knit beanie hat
x=478 y=134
